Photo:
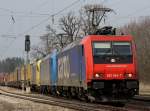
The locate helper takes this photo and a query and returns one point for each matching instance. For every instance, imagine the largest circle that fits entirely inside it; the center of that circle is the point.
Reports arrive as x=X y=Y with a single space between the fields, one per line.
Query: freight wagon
x=45 y=75
x=48 y=73
x=35 y=75
x=3 y=79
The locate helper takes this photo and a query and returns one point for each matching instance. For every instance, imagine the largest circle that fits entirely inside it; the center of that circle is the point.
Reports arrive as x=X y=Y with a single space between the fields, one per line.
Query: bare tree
x=73 y=28
x=70 y=24
x=37 y=52
x=56 y=40
x=140 y=31
x=49 y=39
x=53 y=40
x=45 y=41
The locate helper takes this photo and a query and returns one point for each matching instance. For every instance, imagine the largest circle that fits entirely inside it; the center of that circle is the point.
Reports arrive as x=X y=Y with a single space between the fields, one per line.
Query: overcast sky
x=21 y=17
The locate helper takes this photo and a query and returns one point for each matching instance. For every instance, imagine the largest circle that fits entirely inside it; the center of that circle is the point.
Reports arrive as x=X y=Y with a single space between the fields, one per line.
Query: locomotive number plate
x=114 y=75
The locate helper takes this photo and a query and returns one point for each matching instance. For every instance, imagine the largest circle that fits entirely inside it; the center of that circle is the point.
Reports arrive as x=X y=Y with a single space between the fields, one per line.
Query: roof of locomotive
x=107 y=38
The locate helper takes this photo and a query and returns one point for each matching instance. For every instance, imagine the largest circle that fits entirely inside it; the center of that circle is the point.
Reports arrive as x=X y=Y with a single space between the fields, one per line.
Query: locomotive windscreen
x=112 y=52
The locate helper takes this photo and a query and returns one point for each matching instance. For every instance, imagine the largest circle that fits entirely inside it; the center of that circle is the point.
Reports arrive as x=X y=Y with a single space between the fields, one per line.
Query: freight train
x=98 y=67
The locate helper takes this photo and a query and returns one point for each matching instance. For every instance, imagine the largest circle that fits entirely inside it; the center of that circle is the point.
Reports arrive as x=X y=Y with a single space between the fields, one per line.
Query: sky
x=21 y=17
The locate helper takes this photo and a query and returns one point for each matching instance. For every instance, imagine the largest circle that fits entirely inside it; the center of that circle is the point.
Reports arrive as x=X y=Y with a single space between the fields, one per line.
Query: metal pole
x=27 y=82
x=27 y=61
x=28 y=57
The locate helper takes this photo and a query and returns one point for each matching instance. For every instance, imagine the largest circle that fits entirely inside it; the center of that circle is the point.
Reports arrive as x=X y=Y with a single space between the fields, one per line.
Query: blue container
x=53 y=67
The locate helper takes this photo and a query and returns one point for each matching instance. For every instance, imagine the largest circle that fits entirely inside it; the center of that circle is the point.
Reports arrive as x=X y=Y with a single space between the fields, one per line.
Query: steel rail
x=71 y=104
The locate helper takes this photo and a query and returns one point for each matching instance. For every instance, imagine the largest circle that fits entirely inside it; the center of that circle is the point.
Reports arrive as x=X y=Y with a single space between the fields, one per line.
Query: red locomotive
x=111 y=67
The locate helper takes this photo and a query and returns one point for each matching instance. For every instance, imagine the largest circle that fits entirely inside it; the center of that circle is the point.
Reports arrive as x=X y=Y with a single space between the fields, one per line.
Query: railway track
x=142 y=98
x=71 y=104
x=133 y=105
x=142 y=104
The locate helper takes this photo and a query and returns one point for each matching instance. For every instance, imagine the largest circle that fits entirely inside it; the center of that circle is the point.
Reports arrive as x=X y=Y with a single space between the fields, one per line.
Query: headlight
x=98 y=75
x=130 y=75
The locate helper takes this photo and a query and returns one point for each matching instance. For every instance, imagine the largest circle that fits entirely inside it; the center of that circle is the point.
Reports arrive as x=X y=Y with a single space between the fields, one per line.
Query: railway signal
x=27 y=49
x=27 y=43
